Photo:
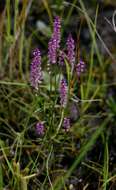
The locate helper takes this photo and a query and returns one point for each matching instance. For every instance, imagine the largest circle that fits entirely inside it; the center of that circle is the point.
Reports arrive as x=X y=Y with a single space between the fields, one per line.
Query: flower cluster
x=62 y=57
x=80 y=68
x=36 y=71
x=54 y=42
x=70 y=49
x=56 y=31
x=40 y=128
x=63 y=93
x=66 y=124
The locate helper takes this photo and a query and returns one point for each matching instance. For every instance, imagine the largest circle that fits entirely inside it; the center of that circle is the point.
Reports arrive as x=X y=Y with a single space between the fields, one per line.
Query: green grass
x=28 y=161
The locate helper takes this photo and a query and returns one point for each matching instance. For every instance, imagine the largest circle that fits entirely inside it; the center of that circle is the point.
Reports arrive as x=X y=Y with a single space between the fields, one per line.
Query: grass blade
x=1 y=178
x=106 y=166
x=58 y=185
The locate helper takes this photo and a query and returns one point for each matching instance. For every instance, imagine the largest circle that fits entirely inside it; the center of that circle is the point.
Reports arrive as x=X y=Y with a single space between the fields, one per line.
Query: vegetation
x=60 y=133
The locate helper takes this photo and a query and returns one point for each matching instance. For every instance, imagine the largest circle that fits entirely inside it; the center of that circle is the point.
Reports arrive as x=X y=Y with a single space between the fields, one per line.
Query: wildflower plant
x=53 y=128
x=60 y=79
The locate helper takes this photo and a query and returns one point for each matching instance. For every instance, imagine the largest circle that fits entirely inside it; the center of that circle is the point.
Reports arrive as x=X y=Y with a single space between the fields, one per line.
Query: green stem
x=59 y=126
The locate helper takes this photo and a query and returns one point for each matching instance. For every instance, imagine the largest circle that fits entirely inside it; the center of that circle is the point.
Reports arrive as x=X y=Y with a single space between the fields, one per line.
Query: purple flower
x=35 y=71
x=62 y=56
x=80 y=68
x=54 y=42
x=52 y=53
x=66 y=124
x=40 y=128
x=70 y=49
x=56 y=30
x=74 y=112
x=36 y=52
x=63 y=93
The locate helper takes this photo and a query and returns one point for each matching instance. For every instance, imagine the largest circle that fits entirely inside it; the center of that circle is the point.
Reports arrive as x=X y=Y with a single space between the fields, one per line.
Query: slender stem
x=8 y=17
x=47 y=167
x=60 y=123
x=15 y=16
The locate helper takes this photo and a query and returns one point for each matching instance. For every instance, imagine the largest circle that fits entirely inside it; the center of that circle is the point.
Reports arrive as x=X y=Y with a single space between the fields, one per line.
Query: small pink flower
x=40 y=128
x=66 y=124
x=80 y=68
